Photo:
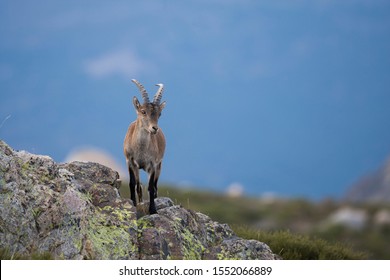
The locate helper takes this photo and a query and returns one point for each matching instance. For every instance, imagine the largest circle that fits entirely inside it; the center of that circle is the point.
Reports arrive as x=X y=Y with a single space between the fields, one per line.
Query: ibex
x=144 y=145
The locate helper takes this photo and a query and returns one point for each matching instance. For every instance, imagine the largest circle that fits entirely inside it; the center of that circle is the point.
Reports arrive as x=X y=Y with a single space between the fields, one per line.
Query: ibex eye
x=143 y=112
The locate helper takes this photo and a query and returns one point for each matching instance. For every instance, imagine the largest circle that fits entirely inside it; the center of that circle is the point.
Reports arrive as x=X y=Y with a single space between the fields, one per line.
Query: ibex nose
x=154 y=129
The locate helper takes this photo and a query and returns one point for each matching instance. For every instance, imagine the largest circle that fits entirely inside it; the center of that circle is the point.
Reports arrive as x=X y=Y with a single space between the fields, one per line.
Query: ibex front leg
x=152 y=194
x=158 y=171
x=135 y=183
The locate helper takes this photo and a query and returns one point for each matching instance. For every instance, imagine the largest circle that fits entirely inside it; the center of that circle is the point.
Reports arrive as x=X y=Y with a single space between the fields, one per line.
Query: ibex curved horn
x=157 y=97
x=141 y=88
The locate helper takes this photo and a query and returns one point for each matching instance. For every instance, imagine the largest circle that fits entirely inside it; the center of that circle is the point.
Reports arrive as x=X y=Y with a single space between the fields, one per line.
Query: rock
x=372 y=188
x=349 y=217
x=178 y=233
x=74 y=211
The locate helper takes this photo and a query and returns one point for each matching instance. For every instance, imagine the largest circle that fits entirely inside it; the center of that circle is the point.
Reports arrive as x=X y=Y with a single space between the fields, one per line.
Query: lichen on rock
x=74 y=211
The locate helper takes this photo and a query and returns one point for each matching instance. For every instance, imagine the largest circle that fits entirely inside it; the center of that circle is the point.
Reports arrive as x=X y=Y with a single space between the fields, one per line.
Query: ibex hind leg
x=139 y=192
x=155 y=188
x=152 y=196
x=135 y=185
x=132 y=187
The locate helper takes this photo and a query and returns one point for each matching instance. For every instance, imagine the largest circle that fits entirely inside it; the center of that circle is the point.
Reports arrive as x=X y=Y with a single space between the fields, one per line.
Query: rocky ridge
x=74 y=211
x=372 y=188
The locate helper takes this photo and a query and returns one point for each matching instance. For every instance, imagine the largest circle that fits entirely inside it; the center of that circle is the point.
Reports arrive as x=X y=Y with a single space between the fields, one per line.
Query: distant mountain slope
x=374 y=187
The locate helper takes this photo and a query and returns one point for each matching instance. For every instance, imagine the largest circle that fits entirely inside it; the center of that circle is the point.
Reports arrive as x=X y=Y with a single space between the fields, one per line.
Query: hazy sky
x=290 y=97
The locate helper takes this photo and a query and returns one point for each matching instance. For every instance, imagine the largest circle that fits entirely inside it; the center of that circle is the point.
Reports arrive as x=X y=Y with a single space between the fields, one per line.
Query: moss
x=103 y=234
x=36 y=211
x=181 y=243
x=121 y=214
x=192 y=248
x=25 y=166
x=74 y=233
x=87 y=196
x=143 y=223
x=44 y=175
x=2 y=181
x=107 y=233
x=107 y=240
x=223 y=256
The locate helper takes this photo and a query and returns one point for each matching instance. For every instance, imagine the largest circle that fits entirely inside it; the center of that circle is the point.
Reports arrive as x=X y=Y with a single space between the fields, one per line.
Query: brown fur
x=144 y=147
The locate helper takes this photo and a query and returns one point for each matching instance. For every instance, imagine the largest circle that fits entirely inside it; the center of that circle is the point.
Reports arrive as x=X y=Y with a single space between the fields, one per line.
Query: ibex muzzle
x=144 y=145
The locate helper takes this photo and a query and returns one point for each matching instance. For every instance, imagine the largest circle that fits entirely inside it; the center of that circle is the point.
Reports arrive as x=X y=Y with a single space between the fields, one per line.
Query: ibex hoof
x=152 y=211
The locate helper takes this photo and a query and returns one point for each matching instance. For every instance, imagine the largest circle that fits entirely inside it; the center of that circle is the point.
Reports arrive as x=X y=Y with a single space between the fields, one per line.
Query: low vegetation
x=300 y=247
x=6 y=254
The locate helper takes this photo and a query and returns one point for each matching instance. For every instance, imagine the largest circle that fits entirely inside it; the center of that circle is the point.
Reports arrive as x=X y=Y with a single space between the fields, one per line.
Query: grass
x=300 y=247
x=6 y=254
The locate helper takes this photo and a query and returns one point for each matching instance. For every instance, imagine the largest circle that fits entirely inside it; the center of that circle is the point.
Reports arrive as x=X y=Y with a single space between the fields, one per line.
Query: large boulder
x=74 y=211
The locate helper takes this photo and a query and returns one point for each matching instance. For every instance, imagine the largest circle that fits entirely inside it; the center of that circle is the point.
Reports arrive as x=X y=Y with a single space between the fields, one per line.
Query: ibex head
x=149 y=112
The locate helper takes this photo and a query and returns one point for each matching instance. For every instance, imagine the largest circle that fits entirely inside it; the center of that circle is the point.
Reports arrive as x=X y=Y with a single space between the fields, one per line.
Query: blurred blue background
x=288 y=97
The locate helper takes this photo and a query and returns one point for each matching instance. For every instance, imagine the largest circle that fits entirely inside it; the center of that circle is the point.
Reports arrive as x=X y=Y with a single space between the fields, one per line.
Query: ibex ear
x=136 y=103
x=162 y=105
